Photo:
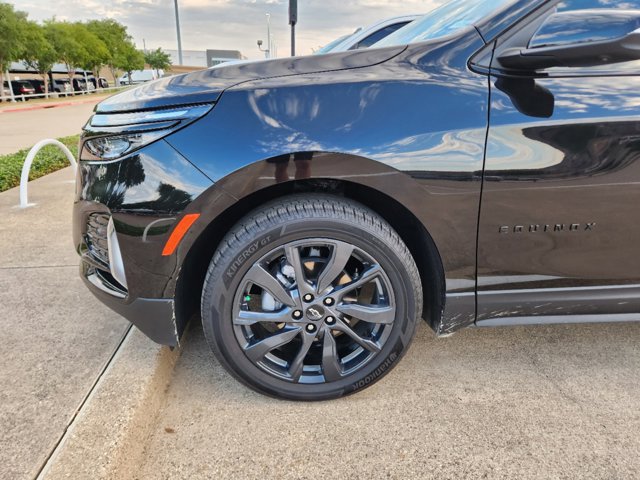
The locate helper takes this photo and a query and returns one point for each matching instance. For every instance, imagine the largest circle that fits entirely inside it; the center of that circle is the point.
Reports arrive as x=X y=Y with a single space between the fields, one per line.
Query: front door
x=559 y=232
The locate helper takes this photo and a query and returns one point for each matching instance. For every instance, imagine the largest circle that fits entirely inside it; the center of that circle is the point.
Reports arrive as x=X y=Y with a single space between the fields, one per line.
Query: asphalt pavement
x=21 y=129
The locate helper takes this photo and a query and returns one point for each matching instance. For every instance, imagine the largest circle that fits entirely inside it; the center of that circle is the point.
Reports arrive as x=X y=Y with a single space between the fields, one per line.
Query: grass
x=48 y=160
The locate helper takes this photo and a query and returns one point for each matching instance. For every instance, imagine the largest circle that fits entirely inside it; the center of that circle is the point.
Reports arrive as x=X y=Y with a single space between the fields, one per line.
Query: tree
x=158 y=60
x=12 y=27
x=38 y=53
x=75 y=46
x=130 y=59
x=95 y=51
x=62 y=36
x=115 y=37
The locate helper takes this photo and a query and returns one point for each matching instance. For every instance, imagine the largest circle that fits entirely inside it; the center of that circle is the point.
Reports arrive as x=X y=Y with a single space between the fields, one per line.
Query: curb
x=108 y=435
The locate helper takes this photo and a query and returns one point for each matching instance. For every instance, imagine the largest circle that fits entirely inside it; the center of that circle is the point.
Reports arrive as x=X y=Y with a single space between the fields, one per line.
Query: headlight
x=112 y=147
x=109 y=136
x=108 y=147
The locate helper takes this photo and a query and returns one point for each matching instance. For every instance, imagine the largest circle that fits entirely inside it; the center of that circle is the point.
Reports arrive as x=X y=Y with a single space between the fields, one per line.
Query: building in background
x=216 y=57
x=208 y=58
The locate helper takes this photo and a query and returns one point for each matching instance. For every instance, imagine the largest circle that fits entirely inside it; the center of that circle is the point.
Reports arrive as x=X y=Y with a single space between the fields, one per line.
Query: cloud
x=230 y=24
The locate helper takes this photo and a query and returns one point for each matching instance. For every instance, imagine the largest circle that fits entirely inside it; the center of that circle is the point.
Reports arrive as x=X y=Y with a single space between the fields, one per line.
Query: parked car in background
x=140 y=76
x=329 y=46
x=82 y=85
x=361 y=38
x=38 y=86
x=365 y=37
x=95 y=83
x=62 y=86
x=79 y=85
x=21 y=88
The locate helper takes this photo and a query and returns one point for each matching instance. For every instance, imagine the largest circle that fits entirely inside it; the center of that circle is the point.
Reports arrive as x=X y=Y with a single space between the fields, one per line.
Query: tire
x=311 y=297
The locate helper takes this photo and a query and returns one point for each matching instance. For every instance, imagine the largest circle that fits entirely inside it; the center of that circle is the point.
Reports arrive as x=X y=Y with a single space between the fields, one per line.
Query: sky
x=229 y=24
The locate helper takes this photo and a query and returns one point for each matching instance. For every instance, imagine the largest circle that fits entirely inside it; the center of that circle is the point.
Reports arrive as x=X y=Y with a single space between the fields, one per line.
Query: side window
x=624 y=68
x=569 y=5
x=379 y=35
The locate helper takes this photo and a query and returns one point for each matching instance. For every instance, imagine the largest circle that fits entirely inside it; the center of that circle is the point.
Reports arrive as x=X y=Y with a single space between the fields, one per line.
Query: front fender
x=299 y=169
x=411 y=128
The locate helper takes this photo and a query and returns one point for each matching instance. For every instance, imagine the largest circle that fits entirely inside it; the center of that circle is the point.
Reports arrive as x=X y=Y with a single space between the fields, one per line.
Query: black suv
x=22 y=89
x=478 y=167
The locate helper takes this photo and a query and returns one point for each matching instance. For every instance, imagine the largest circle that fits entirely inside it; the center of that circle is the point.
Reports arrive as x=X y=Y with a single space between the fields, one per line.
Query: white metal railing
x=24 y=177
x=58 y=95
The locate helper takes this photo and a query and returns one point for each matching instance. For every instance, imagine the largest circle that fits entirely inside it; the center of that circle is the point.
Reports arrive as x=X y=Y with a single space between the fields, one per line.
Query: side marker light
x=178 y=233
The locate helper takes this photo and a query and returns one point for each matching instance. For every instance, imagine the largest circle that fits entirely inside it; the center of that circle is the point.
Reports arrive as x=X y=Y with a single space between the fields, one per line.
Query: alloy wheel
x=313 y=311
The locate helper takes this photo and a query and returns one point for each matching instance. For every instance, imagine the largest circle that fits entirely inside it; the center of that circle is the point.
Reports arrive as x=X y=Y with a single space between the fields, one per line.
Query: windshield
x=447 y=19
x=331 y=45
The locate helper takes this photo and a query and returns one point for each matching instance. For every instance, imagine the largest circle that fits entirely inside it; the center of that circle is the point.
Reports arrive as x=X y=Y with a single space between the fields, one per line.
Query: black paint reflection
x=206 y=86
x=589 y=150
x=107 y=184
x=579 y=166
x=301 y=162
x=157 y=179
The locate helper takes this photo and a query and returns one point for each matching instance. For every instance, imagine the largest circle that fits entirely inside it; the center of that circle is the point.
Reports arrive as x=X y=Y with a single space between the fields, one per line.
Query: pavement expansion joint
x=82 y=404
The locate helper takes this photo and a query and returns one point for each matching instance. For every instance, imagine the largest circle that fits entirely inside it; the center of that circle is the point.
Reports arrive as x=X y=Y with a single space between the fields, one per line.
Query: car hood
x=206 y=86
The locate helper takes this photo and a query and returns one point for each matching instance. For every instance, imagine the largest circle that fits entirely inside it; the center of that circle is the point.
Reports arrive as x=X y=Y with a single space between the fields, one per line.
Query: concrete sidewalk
x=510 y=403
x=56 y=338
x=535 y=402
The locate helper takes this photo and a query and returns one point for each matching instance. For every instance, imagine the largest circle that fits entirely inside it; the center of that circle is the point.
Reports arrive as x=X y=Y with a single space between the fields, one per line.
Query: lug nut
x=297 y=314
x=308 y=298
x=328 y=301
x=311 y=328
x=330 y=320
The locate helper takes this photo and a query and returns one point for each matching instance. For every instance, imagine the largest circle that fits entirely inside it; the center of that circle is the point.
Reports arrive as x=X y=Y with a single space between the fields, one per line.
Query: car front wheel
x=311 y=297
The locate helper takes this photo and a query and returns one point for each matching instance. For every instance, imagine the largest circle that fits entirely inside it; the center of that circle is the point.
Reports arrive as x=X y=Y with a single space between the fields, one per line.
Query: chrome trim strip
x=116 y=265
x=96 y=281
x=558 y=320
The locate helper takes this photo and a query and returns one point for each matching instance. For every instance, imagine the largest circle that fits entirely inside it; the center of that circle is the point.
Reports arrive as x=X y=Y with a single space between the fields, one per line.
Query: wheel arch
x=249 y=190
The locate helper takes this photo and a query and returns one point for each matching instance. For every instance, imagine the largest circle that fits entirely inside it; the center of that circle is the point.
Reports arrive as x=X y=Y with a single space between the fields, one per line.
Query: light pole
x=293 y=19
x=175 y=2
x=268 y=35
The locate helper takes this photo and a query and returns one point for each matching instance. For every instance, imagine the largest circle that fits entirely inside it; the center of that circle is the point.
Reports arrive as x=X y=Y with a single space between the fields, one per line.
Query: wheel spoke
x=339 y=257
x=297 y=364
x=330 y=363
x=245 y=317
x=273 y=320
x=370 y=345
x=364 y=278
x=293 y=258
x=257 y=351
x=259 y=276
x=384 y=315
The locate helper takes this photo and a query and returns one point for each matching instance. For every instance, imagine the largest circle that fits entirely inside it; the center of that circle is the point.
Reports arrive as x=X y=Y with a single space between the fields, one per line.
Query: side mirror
x=527 y=96
x=581 y=38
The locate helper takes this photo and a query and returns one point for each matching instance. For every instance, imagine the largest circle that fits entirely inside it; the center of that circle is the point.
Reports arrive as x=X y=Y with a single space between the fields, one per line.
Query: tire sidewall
x=229 y=270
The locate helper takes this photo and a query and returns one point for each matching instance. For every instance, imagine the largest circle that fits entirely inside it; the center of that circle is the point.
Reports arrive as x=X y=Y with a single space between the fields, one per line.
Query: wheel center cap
x=315 y=312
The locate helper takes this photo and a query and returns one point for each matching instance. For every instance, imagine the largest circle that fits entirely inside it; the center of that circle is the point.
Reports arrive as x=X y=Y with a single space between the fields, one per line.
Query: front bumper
x=153 y=316
x=124 y=212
